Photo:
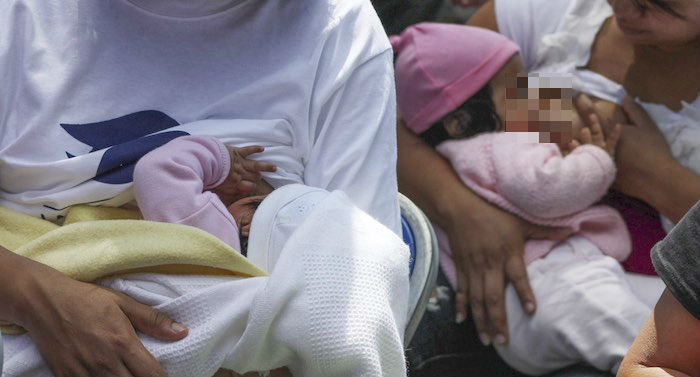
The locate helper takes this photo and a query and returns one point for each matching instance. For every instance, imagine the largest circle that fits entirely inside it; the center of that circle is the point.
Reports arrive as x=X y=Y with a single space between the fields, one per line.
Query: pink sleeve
x=531 y=178
x=170 y=185
x=537 y=179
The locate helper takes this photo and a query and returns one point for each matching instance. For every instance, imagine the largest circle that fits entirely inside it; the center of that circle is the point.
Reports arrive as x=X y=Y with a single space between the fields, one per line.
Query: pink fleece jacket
x=171 y=183
x=537 y=183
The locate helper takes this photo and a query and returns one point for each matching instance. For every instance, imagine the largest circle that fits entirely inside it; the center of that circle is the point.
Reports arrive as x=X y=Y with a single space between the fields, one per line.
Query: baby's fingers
x=585 y=137
x=247 y=151
x=259 y=166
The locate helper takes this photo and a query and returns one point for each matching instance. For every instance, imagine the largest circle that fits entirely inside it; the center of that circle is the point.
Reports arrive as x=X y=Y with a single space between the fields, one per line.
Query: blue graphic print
x=127 y=138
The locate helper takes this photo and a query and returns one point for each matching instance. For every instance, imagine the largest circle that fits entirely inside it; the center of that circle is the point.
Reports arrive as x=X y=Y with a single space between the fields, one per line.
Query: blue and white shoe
x=419 y=235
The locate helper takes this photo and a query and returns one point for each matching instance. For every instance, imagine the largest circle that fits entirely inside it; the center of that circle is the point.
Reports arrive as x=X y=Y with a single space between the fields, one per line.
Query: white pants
x=586 y=312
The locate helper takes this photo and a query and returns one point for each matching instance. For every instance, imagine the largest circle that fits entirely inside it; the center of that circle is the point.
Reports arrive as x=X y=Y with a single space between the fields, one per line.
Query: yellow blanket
x=95 y=242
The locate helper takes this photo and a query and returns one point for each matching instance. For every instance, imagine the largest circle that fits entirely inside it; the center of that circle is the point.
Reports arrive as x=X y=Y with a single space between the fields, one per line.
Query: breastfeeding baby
x=200 y=182
x=509 y=137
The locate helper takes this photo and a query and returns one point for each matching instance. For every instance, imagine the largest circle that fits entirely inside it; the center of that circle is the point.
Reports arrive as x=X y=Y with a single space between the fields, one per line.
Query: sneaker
x=419 y=235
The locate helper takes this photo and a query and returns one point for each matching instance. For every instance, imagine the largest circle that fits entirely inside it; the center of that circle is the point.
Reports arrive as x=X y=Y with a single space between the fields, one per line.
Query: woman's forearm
x=428 y=179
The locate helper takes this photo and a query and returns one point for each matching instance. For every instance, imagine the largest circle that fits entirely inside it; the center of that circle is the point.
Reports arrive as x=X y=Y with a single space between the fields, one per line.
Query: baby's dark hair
x=475 y=116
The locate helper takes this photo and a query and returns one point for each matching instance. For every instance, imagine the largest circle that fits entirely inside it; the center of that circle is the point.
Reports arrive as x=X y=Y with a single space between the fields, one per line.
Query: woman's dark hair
x=643 y=5
x=475 y=116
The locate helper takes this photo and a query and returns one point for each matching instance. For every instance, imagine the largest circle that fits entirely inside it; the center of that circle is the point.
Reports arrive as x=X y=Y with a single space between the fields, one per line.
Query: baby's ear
x=456 y=124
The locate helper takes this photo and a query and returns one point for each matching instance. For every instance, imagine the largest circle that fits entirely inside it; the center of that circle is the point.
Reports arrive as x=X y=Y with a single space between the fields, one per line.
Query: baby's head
x=540 y=105
x=456 y=81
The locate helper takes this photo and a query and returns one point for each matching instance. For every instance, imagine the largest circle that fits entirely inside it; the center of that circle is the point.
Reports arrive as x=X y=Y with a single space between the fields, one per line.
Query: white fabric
x=277 y=217
x=309 y=80
x=586 y=311
x=556 y=37
x=334 y=305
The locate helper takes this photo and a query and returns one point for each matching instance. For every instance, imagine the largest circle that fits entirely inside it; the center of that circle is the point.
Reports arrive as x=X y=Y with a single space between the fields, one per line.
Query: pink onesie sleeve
x=531 y=178
x=171 y=183
x=542 y=182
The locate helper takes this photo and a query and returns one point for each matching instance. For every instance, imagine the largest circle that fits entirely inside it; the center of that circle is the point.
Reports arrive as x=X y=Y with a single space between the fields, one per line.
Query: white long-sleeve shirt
x=90 y=86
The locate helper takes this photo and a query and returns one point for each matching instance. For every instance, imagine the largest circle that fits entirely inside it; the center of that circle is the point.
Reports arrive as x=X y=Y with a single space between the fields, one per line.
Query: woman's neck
x=669 y=52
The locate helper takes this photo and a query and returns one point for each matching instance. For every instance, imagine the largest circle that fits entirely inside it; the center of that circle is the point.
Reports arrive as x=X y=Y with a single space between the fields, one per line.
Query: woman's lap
x=441 y=347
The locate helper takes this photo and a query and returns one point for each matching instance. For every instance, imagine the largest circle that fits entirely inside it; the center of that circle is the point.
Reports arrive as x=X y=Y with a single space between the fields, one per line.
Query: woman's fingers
x=494 y=300
x=138 y=361
x=461 y=300
x=150 y=321
x=516 y=273
x=476 y=304
x=84 y=330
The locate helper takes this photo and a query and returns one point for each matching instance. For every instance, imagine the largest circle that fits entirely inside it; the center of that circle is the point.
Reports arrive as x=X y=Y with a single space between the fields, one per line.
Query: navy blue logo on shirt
x=127 y=138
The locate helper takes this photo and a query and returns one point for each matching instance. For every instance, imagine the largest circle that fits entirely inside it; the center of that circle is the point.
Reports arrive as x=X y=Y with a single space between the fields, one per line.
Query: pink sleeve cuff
x=224 y=163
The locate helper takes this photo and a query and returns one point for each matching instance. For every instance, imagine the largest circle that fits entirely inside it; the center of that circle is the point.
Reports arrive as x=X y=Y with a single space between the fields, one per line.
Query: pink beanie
x=439 y=66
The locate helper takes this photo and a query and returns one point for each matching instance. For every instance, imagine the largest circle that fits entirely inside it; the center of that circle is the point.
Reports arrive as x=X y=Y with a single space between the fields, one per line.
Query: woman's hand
x=646 y=169
x=82 y=329
x=642 y=150
x=487 y=244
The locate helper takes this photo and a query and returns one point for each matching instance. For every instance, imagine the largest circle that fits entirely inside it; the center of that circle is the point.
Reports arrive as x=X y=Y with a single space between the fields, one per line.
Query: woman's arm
x=487 y=243
x=80 y=329
x=667 y=344
x=646 y=168
x=485 y=17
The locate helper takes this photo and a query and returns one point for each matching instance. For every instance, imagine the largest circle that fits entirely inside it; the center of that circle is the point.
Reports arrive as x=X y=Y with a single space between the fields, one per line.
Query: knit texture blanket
x=333 y=305
x=96 y=242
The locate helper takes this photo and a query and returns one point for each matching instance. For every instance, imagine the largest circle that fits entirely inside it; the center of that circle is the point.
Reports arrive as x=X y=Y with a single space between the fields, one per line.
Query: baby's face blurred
x=540 y=104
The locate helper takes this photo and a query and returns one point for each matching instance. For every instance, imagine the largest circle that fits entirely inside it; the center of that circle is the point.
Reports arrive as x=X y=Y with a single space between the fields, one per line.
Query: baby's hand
x=244 y=174
x=594 y=135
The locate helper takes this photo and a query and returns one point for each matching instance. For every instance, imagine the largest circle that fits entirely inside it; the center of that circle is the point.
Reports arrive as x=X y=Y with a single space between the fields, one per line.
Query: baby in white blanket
x=335 y=302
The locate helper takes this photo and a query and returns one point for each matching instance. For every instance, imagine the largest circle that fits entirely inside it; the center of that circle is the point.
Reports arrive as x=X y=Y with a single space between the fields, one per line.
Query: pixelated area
x=540 y=103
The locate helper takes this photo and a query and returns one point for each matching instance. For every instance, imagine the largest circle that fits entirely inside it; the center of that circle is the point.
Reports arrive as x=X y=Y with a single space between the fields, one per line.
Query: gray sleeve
x=677 y=261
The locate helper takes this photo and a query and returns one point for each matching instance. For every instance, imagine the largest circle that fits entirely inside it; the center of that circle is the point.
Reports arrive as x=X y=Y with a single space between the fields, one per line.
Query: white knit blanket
x=334 y=305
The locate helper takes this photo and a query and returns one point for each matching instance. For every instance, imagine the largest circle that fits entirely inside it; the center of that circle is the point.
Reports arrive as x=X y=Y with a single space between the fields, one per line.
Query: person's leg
x=586 y=312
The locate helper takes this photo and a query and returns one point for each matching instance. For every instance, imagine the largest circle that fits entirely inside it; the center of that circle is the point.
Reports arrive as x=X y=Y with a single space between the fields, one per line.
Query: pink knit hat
x=439 y=66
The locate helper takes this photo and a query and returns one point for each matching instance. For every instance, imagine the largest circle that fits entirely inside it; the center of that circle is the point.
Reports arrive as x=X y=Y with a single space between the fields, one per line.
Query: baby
x=459 y=88
x=198 y=181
